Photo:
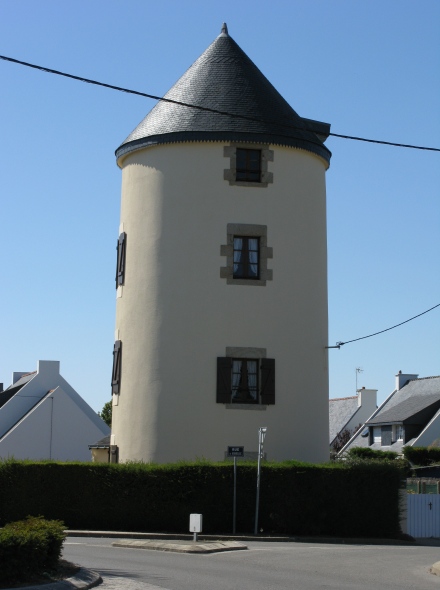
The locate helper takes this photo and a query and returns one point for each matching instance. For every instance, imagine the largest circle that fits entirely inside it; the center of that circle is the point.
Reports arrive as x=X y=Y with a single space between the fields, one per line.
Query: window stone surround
x=266 y=252
x=230 y=174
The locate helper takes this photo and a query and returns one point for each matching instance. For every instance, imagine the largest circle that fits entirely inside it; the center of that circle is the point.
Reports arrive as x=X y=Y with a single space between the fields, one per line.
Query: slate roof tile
x=225 y=79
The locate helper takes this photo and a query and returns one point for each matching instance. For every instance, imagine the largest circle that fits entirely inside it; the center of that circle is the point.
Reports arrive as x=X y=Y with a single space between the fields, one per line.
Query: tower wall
x=175 y=314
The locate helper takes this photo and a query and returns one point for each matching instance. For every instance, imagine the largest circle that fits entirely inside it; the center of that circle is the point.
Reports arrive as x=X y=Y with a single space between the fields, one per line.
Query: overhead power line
x=339 y=344
x=201 y=108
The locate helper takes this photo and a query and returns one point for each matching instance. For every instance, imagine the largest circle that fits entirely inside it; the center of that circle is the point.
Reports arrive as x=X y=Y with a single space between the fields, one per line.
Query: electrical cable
x=201 y=108
x=216 y=111
x=339 y=344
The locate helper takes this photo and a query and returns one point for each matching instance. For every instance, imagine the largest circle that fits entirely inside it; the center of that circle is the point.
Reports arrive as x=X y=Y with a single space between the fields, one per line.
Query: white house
x=410 y=416
x=348 y=413
x=221 y=307
x=43 y=417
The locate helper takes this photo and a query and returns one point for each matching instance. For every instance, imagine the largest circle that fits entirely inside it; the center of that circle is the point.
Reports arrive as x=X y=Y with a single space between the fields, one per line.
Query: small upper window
x=246 y=257
x=248 y=165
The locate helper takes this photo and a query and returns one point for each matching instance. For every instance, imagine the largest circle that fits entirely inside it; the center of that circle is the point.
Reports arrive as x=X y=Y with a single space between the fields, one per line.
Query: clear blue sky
x=369 y=68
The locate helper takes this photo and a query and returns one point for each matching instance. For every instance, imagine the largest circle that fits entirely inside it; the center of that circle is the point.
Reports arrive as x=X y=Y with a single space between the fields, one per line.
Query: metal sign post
x=235 y=452
x=261 y=436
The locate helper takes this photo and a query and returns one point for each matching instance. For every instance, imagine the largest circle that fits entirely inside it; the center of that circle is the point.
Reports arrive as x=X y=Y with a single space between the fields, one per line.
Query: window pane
x=236 y=377
x=248 y=165
x=252 y=378
x=246 y=257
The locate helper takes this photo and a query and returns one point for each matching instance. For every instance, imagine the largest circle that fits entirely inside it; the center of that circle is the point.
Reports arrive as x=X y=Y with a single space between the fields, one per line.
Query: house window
x=242 y=381
x=246 y=258
x=247 y=253
x=120 y=259
x=248 y=165
x=399 y=432
x=116 y=369
x=386 y=432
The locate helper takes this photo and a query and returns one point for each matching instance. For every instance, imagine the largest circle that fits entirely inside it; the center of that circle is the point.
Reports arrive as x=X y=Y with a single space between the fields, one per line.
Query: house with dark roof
x=348 y=413
x=410 y=416
x=43 y=417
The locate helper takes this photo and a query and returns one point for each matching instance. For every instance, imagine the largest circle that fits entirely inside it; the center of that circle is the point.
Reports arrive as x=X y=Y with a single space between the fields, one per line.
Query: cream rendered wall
x=176 y=315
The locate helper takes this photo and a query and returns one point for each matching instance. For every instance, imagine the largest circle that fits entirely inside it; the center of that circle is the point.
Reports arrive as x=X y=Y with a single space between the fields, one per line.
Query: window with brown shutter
x=120 y=259
x=116 y=370
x=224 y=383
x=245 y=380
x=267 y=381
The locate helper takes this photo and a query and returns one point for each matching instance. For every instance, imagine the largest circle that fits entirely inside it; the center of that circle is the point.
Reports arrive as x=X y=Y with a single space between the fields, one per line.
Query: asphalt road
x=265 y=566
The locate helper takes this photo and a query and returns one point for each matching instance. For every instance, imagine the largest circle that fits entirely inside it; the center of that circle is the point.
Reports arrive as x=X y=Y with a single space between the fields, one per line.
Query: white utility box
x=195 y=523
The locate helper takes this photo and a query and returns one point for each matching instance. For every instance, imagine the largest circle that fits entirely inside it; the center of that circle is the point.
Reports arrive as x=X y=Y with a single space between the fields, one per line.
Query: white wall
x=55 y=422
x=367 y=405
x=55 y=429
x=176 y=315
x=430 y=433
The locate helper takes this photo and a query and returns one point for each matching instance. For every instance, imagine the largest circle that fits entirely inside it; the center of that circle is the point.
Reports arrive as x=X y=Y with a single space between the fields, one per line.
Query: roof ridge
x=335 y=399
x=27 y=374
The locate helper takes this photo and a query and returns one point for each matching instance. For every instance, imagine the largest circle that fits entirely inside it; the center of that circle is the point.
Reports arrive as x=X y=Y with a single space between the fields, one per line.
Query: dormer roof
x=224 y=80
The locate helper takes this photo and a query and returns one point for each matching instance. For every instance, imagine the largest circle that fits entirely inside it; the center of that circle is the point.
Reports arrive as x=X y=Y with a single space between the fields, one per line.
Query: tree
x=106 y=413
x=343 y=437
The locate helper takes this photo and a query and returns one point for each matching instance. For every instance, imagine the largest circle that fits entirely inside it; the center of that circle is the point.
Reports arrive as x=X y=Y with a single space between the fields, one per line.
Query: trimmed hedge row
x=29 y=547
x=422 y=455
x=296 y=498
x=368 y=453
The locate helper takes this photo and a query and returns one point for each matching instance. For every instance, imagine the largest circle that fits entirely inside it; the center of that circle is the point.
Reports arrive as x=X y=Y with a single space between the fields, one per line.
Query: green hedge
x=29 y=547
x=368 y=453
x=296 y=498
x=422 y=455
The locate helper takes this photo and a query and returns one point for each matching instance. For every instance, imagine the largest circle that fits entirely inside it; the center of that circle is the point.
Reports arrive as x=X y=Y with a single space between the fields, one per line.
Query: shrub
x=29 y=546
x=295 y=498
x=368 y=453
x=422 y=456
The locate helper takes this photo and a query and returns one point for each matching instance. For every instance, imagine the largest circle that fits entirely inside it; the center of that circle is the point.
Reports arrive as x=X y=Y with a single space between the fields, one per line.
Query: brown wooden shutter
x=267 y=381
x=120 y=259
x=224 y=379
x=116 y=370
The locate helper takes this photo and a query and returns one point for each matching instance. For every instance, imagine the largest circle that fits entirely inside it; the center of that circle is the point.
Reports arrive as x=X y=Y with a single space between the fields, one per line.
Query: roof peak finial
x=224 y=30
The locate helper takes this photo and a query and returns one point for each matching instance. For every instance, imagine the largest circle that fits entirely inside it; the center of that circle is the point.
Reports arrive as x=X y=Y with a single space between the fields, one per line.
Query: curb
x=183 y=547
x=222 y=538
x=82 y=580
x=435 y=569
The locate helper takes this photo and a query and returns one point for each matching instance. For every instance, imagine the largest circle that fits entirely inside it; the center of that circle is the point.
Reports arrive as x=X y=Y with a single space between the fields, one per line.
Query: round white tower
x=221 y=317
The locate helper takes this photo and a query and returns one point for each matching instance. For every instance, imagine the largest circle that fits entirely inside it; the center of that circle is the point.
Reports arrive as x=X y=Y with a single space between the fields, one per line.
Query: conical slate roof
x=224 y=79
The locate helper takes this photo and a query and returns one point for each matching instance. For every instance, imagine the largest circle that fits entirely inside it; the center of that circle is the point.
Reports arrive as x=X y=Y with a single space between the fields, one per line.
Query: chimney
x=367 y=398
x=16 y=375
x=403 y=378
x=1 y=387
